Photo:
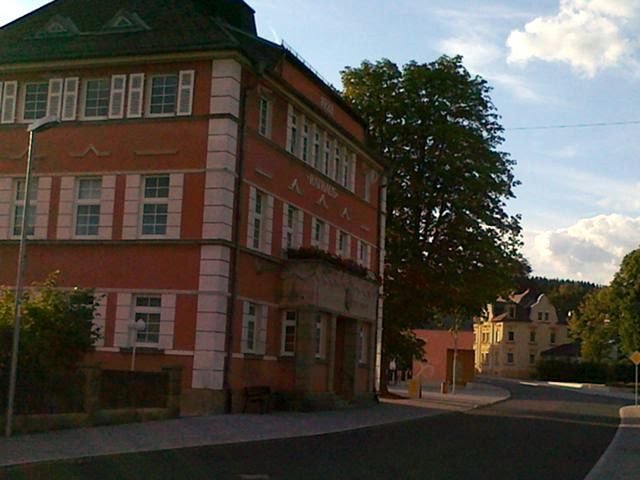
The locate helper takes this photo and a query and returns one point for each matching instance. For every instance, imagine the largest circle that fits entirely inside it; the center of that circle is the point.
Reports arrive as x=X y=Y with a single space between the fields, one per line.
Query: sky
x=566 y=81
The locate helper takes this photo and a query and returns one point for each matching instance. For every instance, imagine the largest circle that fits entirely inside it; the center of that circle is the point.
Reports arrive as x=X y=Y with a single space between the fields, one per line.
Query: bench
x=260 y=394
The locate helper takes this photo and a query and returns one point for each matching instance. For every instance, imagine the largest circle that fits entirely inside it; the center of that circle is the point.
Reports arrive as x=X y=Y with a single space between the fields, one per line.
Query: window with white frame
x=319 y=234
x=264 y=117
x=326 y=164
x=163 y=94
x=304 y=144
x=250 y=328
x=337 y=162
x=363 y=343
x=155 y=205
x=292 y=131
x=345 y=179
x=364 y=254
x=320 y=336
x=343 y=247
x=148 y=308
x=19 y=204
x=96 y=98
x=288 y=341
x=35 y=100
x=258 y=211
x=291 y=227
x=316 y=155
x=88 y=194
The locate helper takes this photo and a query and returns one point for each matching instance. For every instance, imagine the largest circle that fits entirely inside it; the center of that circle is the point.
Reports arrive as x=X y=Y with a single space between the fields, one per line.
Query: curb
x=621 y=459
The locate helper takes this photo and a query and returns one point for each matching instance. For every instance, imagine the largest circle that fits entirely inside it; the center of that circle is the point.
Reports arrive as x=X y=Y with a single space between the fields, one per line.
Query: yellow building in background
x=514 y=331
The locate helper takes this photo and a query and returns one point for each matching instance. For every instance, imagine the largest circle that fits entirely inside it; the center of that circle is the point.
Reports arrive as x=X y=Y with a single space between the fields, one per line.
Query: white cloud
x=589 y=250
x=589 y=35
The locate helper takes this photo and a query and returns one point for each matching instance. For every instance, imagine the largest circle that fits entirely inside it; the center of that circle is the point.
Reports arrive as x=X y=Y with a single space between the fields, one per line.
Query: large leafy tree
x=594 y=323
x=451 y=245
x=625 y=290
x=56 y=332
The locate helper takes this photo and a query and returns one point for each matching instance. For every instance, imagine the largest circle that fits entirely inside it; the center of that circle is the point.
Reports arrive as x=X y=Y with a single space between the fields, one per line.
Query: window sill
x=143 y=349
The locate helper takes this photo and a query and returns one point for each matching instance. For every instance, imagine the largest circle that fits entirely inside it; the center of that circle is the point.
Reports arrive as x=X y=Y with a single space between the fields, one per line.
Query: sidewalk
x=621 y=460
x=221 y=429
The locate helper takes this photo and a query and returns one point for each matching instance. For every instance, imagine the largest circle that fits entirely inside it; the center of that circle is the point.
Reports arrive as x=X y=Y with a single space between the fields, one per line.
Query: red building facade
x=202 y=180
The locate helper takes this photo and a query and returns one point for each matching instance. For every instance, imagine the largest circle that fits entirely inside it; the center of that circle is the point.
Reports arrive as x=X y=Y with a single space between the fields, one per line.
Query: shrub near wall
x=584 y=372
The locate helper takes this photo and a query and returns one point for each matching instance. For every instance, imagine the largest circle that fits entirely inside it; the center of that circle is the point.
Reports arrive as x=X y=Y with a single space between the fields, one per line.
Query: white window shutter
x=262 y=328
x=9 y=102
x=251 y=217
x=289 y=127
x=300 y=222
x=285 y=228
x=136 y=97
x=268 y=226
x=116 y=102
x=70 y=98
x=325 y=237
x=54 y=100
x=185 y=92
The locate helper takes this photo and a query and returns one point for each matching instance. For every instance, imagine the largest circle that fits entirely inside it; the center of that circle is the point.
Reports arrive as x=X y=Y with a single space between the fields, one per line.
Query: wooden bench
x=260 y=394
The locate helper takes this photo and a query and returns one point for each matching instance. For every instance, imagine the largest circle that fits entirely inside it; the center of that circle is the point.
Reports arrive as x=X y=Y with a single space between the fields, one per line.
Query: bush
x=584 y=372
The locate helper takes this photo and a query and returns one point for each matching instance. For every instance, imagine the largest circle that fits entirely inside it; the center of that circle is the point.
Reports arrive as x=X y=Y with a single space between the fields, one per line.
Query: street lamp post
x=33 y=128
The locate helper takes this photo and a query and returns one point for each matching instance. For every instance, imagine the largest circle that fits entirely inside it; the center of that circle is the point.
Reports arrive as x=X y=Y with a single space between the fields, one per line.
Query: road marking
x=529 y=384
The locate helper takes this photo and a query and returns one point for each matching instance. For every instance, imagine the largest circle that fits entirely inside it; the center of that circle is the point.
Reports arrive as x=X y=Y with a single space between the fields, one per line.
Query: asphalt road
x=540 y=433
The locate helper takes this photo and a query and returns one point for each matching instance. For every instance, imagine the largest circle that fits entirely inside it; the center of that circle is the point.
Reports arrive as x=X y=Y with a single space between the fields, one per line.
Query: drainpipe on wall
x=382 y=224
x=235 y=240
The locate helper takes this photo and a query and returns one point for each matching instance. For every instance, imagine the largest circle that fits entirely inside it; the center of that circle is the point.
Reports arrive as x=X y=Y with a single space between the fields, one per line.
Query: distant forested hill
x=566 y=295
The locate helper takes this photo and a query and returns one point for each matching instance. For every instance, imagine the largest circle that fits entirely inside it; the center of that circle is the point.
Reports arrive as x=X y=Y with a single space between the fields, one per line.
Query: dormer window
x=58 y=26
x=125 y=21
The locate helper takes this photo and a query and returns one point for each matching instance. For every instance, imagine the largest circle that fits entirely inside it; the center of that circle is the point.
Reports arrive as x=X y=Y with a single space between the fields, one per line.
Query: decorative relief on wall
x=322 y=201
x=295 y=187
x=345 y=214
x=90 y=148
x=321 y=185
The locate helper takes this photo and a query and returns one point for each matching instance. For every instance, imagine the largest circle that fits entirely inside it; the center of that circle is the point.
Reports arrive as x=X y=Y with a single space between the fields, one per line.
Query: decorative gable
x=125 y=21
x=58 y=26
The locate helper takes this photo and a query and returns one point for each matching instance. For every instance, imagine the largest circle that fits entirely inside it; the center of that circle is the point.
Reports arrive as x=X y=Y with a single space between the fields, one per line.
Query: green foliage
x=451 y=245
x=625 y=291
x=587 y=372
x=56 y=332
x=565 y=295
x=594 y=324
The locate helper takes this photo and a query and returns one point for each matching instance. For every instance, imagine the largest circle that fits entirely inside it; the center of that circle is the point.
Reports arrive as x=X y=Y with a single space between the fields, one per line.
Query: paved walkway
x=621 y=461
x=221 y=429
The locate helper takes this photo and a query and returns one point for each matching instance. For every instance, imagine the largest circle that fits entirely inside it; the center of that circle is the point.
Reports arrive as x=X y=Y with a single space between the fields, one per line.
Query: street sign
x=635 y=358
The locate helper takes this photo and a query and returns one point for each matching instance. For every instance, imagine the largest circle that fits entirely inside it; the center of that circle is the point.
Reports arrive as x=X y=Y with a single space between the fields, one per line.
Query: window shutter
x=268 y=226
x=252 y=209
x=263 y=317
x=136 y=89
x=185 y=92
x=1 y=84
x=285 y=229
x=300 y=221
x=289 y=127
x=70 y=98
x=9 y=102
x=325 y=237
x=116 y=102
x=54 y=102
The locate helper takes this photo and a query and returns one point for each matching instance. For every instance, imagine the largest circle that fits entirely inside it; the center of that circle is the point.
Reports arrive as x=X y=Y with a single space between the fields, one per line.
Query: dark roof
x=566 y=350
x=171 y=26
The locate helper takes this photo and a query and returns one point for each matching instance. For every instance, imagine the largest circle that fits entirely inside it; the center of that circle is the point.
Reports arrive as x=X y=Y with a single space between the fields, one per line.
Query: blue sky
x=550 y=63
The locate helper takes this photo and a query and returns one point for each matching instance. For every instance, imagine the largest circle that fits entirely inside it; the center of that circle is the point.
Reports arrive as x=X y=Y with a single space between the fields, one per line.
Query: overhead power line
x=577 y=125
